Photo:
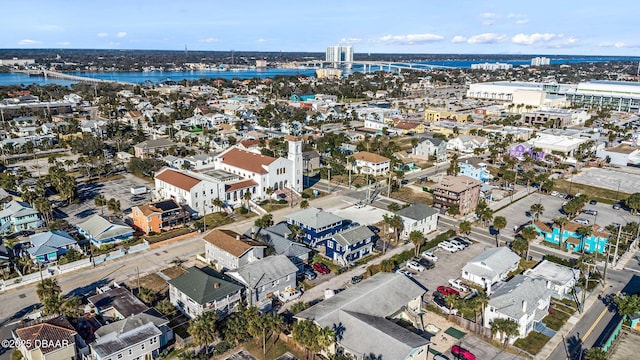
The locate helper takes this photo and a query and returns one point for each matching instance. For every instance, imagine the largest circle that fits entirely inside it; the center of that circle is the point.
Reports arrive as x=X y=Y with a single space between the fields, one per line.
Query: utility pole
x=389 y=185
x=586 y=284
x=615 y=255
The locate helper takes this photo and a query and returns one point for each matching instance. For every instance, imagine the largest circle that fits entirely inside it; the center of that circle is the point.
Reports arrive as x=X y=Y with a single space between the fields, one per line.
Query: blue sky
x=465 y=27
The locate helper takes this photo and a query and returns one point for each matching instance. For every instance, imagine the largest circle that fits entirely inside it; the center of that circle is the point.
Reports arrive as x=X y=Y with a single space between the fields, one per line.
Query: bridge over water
x=63 y=76
x=368 y=66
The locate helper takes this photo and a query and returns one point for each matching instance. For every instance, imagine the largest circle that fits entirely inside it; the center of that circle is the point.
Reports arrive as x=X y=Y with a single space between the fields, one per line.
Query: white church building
x=236 y=172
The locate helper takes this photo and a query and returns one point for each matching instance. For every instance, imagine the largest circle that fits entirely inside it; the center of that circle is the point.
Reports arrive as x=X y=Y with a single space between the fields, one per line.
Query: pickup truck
x=457 y=284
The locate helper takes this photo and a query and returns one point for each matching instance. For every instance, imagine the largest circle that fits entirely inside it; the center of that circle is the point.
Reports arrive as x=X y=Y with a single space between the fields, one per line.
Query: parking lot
x=516 y=213
x=120 y=189
x=609 y=178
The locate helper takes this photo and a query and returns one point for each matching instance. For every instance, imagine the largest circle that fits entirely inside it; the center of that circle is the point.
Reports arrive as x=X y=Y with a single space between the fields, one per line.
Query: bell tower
x=295 y=156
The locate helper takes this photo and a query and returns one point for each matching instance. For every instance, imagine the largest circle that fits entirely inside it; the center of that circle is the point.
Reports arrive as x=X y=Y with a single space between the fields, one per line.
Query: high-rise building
x=540 y=61
x=339 y=54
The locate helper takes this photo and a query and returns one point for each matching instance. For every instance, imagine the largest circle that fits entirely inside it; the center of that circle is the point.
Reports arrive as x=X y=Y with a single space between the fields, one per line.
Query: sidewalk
x=341 y=280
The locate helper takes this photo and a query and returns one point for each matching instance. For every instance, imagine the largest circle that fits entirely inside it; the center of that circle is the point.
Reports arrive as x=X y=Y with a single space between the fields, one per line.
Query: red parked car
x=321 y=268
x=446 y=291
x=462 y=353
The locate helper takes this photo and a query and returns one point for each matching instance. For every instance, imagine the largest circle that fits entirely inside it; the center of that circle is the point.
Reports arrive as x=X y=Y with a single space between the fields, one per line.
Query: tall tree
x=203 y=329
x=627 y=304
x=465 y=227
x=584 y=231
x=529 y=234
x=499 y=223
x=417 y=238
x=633 y=202
x=595 y=353
x=536 y=210
x=562 y=221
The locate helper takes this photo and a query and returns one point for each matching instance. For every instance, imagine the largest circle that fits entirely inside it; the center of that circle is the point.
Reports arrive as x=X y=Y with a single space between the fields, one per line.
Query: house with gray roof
x=277 y=237
x=265 y=279
x=102 y=232
x=522 y=299
x=115 y=341
x=372 y=307
x=49 y=246
x=116 y=303
x=201 y=290
x=491 y=266
x=562 y=278
x=350 y=244
x=317 y=225
x=418 y=217
x=430 y=149
x=17 y=216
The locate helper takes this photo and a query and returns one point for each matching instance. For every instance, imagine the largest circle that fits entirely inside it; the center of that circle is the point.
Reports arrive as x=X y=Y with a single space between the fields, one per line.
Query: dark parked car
x=321 y=268
x=356 y=279
x=617 y=206
x=426 y=263
x=593 y=202
x=461 y=353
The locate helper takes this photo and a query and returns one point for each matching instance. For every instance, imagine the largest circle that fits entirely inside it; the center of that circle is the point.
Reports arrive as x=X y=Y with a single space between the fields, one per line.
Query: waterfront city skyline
x=464 y=27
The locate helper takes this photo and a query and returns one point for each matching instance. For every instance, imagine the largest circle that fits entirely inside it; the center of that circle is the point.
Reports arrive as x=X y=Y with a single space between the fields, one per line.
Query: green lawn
x=606 y=196
x=533 y=343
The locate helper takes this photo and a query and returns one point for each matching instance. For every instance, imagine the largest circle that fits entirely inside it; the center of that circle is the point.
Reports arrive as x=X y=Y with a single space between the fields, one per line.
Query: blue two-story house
x=596 y=241
x=316 y=224
x=17 y=216
x=475 y=170
x=350 y=244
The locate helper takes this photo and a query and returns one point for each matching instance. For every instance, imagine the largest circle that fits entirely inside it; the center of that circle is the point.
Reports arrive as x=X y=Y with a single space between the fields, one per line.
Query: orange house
x=163 y=215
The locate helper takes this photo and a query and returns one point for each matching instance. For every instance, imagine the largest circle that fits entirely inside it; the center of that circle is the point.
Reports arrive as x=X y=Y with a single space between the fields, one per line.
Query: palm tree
x=506 y=327
x=217 y=203
x=147 y=296
x=583 y=231
x=451 y=301
x=203 y=329
x=595 y=353
x=270 y=192
x=72 y=307
x=486 y=216
x=247 y=198
x=417 y=238
x=561 y=221
x=101 y=201
x=481 y=300
x=499 y=223
x=396 y=223
x=529 y=233
x=536 y=210
x=48 y=287
x=465 y=227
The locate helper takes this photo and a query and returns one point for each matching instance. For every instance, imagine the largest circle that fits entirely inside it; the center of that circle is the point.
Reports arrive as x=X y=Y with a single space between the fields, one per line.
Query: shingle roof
x=353 y=235
x=57 y=331
x=265 y=271
x=370 y=157
x=553 y=272
x=16 y=209
x=155 y=143
x=380 y=295
x=231 y=242
x=120 y=299
x=100 y=228
x=200 y=285
x=115 y=342
x=246 y=160
x=46 y=242
x=315 y=218
x=131 y=323
x=159 y=207
x=492 y=262
x=178 y=179
x=508 y=299
x=417 y=211
x=384 y=338
x=282 y=245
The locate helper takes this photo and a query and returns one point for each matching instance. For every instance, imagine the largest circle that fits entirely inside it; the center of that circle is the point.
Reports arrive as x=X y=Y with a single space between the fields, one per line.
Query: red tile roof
x=230 y=241
x=178 y=179
x=370 y=157
x=250 y=143
x=56 y=332
x=240 y=185
x=247 y=160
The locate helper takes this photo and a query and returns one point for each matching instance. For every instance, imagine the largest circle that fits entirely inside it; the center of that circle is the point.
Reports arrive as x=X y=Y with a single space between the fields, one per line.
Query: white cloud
x=487 y=38
x=531 y=39
x=121 y=34
x=488 y=18
x=522 y=21
x=102 y=35
x=209 y=40
x=349 y=41
x=410 y=39
x=260 y=41
x=29 y=42
x=114 y=43
x=63 y=43
x=619 y=45
x=458 y=39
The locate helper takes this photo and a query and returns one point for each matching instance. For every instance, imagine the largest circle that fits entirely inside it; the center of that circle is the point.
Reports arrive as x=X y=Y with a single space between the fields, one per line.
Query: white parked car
x=458 y=244
x=448 y=247
x=582 y=221
x=554 y=193
x=404 y=272
x=414 y=265
x=458 y=285
x=289 y=294
x=429 y=256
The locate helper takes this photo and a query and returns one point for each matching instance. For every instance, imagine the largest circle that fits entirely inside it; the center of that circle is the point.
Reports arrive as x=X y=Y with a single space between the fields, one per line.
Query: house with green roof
x=201 y=290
